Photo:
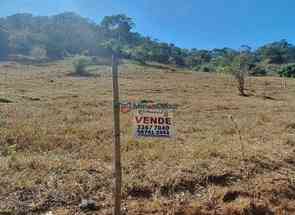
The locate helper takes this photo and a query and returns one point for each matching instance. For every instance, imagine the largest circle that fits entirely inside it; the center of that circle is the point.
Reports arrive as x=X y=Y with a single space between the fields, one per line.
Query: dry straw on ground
x=56 y=134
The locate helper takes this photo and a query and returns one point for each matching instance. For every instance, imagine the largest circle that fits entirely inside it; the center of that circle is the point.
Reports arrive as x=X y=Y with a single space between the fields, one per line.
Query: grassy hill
x=232 y=155
x=28 y=38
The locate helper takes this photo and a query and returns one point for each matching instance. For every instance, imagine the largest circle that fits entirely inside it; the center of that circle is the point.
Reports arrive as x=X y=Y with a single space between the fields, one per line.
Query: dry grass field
x=232 y=155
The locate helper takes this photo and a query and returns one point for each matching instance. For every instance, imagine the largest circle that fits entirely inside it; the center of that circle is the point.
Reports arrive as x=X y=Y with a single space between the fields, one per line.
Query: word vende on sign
x=153 y=123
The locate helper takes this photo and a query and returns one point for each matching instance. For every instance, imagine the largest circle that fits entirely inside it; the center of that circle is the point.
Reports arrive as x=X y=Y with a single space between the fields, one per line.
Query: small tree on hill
x=241 y=66
x=117 y=32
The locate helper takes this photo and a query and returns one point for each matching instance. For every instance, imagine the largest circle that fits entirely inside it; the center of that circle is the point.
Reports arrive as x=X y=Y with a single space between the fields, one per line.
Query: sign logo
x=125 y=107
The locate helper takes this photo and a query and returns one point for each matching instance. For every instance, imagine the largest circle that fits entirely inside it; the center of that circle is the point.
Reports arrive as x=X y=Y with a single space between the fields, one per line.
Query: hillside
x=47 y=38
x=232 y=155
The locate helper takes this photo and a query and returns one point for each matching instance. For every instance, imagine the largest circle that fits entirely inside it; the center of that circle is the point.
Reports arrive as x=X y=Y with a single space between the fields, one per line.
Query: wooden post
x=117 y=171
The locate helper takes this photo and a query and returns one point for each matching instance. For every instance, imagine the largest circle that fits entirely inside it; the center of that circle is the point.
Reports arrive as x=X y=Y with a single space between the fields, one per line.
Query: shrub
x=196 y=68
x=258 y=71
x=81 y=64
x=287 y=71
x=207 y=68
x=226 y=69
x=38 y=53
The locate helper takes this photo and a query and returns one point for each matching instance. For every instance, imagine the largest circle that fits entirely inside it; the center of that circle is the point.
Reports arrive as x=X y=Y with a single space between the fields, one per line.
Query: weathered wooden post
x=117 y=171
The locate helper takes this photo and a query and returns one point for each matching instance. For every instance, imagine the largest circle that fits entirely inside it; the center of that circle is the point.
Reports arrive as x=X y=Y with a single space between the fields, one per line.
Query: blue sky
x=186 y=23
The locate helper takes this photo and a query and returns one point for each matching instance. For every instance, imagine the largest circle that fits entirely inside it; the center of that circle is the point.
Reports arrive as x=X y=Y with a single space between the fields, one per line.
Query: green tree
x=287 y=71
x=117 y=32
x=119 y=23
x=241 y=65
x=277 y=52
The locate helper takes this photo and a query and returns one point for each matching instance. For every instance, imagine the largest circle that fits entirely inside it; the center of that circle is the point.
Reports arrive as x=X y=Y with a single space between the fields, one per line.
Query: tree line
x=68 y=34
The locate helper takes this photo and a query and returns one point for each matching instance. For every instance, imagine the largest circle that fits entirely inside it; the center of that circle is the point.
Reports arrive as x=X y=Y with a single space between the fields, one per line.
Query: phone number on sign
x=153 y=131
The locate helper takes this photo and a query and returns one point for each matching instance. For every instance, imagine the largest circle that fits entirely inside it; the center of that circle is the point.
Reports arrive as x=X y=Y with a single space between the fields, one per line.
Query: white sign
x=156 y=123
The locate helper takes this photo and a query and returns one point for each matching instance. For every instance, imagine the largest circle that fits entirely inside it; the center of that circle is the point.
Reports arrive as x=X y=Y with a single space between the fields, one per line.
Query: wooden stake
x=117 y=171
